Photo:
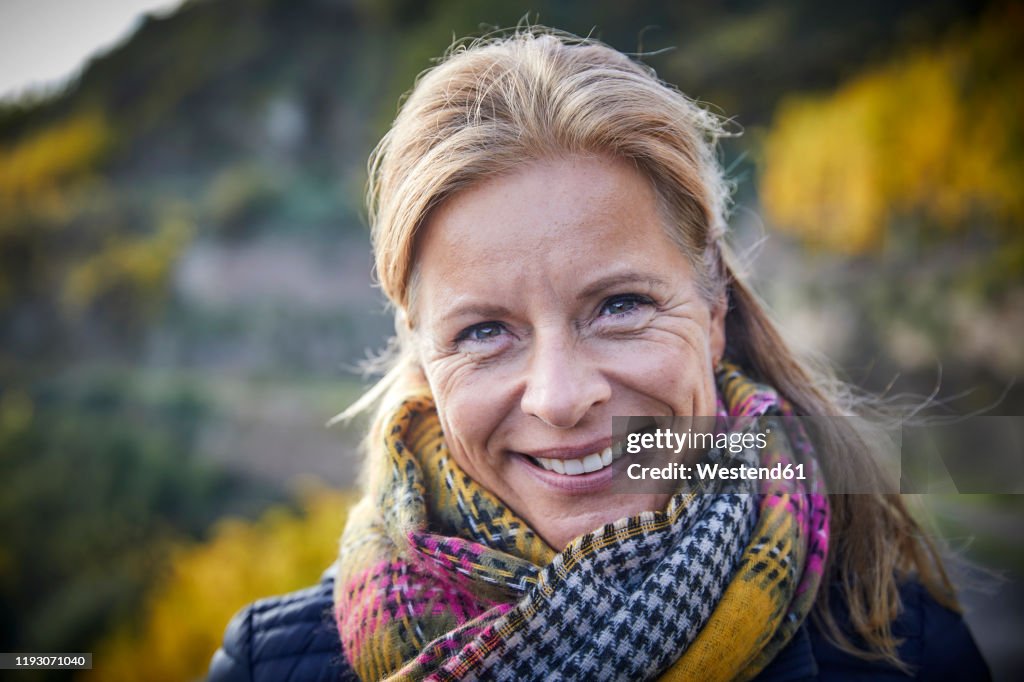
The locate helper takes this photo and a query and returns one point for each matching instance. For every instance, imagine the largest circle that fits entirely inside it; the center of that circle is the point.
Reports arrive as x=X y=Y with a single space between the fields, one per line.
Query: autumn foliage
x=186 y=613
x=933 y=141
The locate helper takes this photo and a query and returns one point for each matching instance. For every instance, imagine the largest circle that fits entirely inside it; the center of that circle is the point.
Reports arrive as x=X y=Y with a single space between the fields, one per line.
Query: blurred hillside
x=247 y=123
x=185 y=274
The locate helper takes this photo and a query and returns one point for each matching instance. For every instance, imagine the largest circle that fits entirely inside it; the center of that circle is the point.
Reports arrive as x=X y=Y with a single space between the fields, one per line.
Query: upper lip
x=570 y=452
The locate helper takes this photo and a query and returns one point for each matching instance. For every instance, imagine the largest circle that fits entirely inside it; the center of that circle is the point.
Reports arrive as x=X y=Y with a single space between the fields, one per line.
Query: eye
x=482 y=332
x=623 y=304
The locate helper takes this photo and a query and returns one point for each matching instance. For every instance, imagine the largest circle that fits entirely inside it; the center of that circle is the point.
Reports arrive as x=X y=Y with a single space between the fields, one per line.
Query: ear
x=716 y=331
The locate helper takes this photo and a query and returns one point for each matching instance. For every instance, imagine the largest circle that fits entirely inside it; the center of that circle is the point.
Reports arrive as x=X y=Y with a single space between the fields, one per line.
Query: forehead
x=576 y=202
x=555 y=220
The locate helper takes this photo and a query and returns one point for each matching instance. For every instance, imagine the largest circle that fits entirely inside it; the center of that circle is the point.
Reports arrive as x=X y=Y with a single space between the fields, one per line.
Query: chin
x=559 y=528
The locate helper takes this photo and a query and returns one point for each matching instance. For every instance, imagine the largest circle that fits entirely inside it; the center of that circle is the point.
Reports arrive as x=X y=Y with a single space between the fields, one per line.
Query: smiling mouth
x=577 y=467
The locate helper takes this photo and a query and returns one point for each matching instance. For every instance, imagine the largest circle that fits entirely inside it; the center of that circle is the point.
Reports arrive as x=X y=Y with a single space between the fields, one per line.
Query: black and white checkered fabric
x=629 y=611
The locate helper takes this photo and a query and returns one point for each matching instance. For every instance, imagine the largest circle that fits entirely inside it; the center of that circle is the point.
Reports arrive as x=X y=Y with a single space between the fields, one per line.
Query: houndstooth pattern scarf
x=439 y=580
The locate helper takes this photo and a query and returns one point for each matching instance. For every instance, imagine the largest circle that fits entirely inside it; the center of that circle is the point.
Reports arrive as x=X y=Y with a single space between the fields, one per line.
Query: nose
x=562 y=383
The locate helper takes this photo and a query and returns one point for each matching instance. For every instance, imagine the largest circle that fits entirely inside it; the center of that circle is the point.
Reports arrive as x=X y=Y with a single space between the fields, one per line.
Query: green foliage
x=136 y=267
x=41 y=179
x=98 y=482
x=187 y=611
x=239 y=196
x=71 y=246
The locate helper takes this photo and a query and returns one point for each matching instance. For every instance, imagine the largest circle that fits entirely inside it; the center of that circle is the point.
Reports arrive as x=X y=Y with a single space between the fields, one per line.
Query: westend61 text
x=704 y=471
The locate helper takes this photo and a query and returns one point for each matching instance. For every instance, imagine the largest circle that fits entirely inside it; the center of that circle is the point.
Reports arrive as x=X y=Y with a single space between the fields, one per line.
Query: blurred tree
x=99 y=480
x=912 y=171
x=68 y=243
x=36 y=170
x=136 y=267
x=932 y=143
x=41 y=178
x=185 y=614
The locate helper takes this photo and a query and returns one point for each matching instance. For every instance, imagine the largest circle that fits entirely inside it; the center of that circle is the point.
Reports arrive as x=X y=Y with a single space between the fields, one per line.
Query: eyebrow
x=619 y=279
x=484 y=310
x=492 y=311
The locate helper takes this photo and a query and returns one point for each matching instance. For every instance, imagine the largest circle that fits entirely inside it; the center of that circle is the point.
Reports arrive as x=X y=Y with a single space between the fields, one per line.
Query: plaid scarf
x=439 y=580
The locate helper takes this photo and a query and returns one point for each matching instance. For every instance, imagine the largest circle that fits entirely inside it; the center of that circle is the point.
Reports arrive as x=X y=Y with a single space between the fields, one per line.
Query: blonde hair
x=492 y=105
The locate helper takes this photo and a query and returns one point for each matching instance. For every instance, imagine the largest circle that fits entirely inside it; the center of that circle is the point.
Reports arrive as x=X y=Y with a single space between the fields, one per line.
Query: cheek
x=674 y=373
x=472 y=405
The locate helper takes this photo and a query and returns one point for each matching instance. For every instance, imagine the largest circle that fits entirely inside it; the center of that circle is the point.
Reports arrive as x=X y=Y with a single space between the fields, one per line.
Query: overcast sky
x=45 y=42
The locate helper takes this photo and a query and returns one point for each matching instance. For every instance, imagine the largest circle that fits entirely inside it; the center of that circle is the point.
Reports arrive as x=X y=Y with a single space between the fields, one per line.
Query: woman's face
x=548 y=301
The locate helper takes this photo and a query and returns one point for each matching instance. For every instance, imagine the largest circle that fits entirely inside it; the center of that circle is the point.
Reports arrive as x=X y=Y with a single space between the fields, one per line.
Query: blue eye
x=480 y=332
x=624 y=304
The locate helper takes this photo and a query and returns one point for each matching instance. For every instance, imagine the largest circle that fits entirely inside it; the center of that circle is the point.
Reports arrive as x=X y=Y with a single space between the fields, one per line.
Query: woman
x=549 y=223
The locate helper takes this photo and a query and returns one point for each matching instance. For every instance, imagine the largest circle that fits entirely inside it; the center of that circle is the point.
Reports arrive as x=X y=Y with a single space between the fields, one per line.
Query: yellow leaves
x=34 y=172
x=206 y=584
x=810 y=184
x=140 y=264
x=936 y=137
x=82 y=242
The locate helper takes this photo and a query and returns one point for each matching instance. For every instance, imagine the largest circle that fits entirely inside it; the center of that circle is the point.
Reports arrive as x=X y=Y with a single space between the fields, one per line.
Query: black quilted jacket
x=289 y=638
x=292 y=638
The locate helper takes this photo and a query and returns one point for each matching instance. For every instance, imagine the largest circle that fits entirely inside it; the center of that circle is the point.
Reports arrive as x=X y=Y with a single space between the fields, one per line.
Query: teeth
x=575 y=467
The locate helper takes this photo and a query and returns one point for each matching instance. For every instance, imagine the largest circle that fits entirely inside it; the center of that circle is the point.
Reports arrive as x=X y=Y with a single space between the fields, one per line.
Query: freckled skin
x=526 y=351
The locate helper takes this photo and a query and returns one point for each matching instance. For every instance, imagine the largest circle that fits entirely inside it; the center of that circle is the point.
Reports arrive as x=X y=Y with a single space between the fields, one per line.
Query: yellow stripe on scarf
x=751 y=608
